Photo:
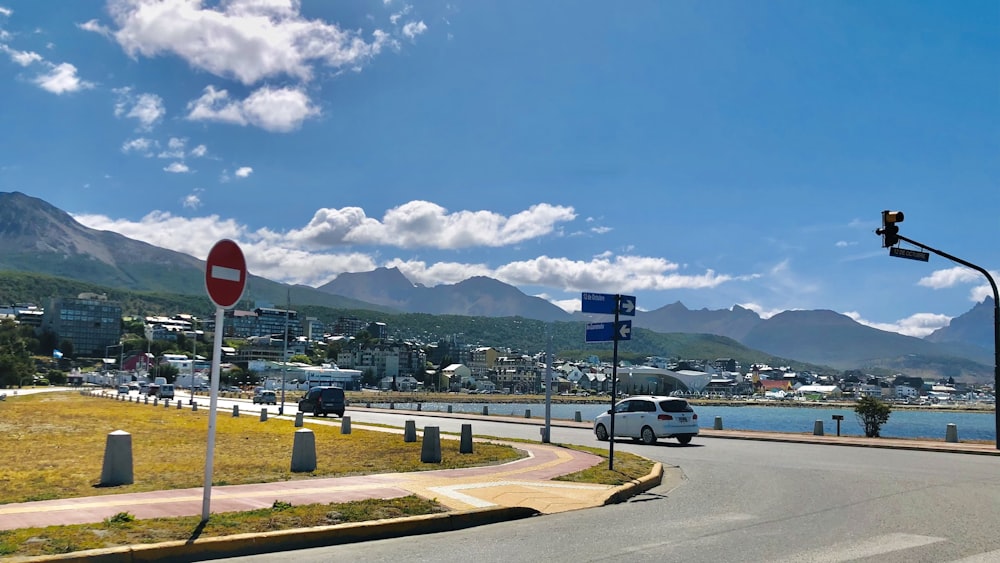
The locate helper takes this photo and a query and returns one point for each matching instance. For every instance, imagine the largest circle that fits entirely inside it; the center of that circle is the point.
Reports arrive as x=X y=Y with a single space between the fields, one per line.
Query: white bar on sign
x=224 y=273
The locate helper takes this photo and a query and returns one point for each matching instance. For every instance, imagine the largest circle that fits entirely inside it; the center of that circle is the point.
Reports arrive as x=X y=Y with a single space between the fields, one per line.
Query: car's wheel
x=601 y=432
x=317 y=411
x=647 y=436
x=684 y=439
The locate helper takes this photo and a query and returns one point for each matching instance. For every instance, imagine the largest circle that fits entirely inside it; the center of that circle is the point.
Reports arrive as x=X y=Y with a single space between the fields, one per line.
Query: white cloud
x=96 y=27
x=951 y=277
x=279 y=110
x=425 y=224
x=918 y=325
x=61 y=79
x=412 y=29
x=147 y=109
x=175 y=149
x=199 y=151
x=760 y=310
x=248 y=41
x=23 y=58
x=6 y=12
x=243 y=172
x=177 y=168
x=601 y=230
x=269 y=254
x=140 y=145
x=192 y=201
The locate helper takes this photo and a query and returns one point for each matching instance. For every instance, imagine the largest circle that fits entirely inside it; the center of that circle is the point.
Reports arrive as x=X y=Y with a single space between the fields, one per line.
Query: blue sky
x=713 y=153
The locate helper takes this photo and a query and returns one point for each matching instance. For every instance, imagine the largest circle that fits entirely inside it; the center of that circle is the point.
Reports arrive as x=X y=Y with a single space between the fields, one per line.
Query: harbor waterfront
x=930 y=423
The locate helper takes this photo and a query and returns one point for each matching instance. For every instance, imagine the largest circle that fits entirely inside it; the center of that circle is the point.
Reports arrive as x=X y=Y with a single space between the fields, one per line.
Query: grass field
x=52 y=446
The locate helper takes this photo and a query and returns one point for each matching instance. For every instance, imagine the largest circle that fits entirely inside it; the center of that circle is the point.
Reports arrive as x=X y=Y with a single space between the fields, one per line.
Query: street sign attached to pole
x=225 y=279
x=911 y=254
x=608 y=304
x=609 y=331
x=225 y=273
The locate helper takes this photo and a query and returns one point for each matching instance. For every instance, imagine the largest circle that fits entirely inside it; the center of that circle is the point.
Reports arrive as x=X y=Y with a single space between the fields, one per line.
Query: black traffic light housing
x=889 y=230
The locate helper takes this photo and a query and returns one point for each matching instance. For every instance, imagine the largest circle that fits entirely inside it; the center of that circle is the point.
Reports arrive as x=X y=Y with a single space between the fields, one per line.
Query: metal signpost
x=606 y=303
x=225 y=279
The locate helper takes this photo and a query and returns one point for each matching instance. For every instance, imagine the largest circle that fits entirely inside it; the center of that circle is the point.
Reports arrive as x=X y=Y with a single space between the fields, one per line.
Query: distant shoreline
x=403 y=397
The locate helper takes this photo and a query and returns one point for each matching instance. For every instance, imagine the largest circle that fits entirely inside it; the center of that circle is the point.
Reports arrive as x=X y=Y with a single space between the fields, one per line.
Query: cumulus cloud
x=426 y=224
x=269 y=253
x=177 y=168
x=175 y=149
x=413 y=29
x=23 y=58
x=95 y=27
x=147 y=109
x=61 y=79
x=243 y=172
x=761 y=311
x=951 y=277
x=273 y=109
x=199 y=151
x=139 y=145
x=918 y=325
x=246 y=40
x=192 y=201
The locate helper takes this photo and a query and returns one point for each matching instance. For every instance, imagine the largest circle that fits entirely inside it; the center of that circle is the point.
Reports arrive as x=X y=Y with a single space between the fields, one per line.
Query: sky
x=714 y=153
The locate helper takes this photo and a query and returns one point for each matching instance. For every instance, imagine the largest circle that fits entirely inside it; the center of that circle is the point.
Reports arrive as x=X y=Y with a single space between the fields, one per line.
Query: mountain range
x=39 y=238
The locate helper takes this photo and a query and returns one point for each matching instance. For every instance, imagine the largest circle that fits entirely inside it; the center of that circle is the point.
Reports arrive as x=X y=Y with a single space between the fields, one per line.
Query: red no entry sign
x=225 y=273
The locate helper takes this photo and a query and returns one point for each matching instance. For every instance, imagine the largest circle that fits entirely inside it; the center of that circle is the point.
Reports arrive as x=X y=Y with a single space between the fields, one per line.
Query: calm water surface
x=902 y=423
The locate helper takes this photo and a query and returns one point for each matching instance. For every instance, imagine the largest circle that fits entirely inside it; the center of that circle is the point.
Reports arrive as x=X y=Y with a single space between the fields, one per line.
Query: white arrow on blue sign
x=606 y=332
x=605 y=303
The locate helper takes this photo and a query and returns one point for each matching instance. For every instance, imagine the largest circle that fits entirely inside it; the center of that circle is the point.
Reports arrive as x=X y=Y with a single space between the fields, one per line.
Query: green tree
x=872 y=414
x=301 y=359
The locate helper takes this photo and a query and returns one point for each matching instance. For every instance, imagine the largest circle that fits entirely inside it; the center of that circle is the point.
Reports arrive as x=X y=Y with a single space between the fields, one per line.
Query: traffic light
x=889 y=230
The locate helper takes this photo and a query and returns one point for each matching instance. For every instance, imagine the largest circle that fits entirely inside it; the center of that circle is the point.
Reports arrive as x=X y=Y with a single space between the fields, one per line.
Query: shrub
x=872 y=414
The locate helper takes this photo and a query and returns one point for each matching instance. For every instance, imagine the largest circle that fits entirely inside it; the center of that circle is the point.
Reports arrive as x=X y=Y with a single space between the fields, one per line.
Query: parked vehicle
x=649 y=417
x=123 y=389
x=166 y=391
x=266 y=398
x=323 y=400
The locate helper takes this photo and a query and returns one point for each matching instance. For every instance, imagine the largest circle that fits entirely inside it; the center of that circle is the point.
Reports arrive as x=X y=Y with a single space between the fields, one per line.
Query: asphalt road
x=740 y=501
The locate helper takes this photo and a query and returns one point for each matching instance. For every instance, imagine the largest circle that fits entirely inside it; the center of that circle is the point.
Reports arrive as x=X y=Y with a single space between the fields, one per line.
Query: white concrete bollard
x=117 y=469
x=304 y=451
x=951 y=433
x=430 y=448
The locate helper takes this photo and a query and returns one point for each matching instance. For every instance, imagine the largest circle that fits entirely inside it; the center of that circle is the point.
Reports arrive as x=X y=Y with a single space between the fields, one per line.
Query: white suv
x=646 y=418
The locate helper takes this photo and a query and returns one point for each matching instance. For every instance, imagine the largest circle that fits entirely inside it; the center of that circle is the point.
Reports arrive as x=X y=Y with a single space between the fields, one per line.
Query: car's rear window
x=676 y=405
x=333 y=394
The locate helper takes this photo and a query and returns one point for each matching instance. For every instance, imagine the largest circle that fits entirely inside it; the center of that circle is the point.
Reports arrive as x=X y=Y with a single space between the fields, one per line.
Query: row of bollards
x=950 y=433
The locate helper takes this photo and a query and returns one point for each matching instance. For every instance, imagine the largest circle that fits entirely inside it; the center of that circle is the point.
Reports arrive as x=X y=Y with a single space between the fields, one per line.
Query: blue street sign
x=598 y=303
x=606 y=332
x=605 y=303
x=627 y=306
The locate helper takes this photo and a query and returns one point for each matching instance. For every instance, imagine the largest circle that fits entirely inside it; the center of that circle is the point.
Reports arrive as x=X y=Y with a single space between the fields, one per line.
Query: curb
x=635 y=487
x=288 y=540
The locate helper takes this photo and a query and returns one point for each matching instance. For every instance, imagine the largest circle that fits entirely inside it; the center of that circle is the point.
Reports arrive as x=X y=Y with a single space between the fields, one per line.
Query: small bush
x=872 y=414
x=280 y=505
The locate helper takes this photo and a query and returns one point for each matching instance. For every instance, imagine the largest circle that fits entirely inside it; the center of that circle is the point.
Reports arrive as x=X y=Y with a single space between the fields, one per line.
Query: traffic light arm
x=996 y=319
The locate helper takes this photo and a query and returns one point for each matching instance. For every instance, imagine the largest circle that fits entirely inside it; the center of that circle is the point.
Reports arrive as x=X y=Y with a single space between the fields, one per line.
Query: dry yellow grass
x=52 y=446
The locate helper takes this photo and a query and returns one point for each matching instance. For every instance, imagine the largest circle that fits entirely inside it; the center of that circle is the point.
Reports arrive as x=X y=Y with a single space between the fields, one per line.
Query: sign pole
x=225 y=279
x=213 y=403
x=614 y=387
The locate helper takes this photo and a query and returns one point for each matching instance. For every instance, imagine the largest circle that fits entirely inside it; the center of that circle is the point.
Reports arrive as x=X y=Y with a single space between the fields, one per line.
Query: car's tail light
x=664 y=417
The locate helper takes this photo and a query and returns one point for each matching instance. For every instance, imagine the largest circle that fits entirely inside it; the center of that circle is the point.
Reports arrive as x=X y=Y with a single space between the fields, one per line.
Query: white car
x=647 y=418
